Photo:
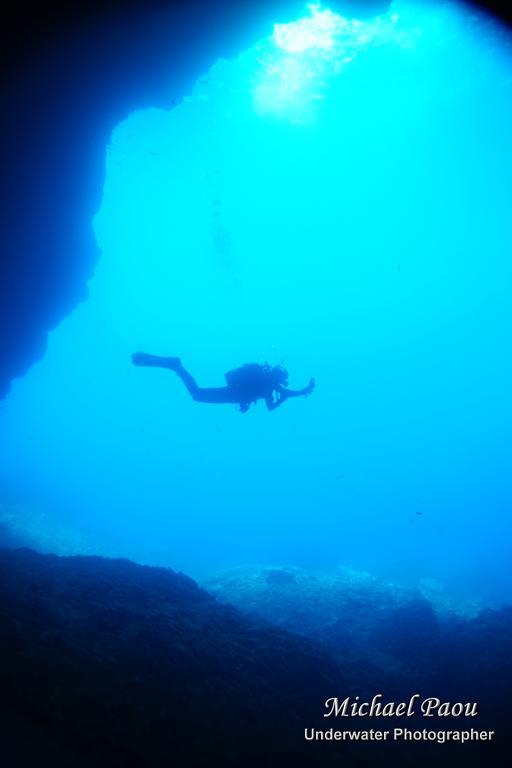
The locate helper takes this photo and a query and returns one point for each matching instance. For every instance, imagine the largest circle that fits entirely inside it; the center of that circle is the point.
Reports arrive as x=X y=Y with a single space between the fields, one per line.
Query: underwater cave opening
x=334 y=197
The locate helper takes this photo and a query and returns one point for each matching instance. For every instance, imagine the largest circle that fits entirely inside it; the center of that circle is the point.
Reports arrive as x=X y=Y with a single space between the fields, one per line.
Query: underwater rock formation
x=22 y=527
x=128 y=664
x=106 y=662
x=68 y=78
x=347 y=610
x=420 y=638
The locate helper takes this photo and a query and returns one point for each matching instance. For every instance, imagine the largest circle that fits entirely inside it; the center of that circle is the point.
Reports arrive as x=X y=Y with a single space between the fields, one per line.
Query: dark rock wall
x=108 y=663
x=125 y=664
x=70 y=74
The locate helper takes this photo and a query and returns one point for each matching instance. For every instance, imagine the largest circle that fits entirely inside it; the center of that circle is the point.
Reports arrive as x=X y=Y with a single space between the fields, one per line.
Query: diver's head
x=279 y=375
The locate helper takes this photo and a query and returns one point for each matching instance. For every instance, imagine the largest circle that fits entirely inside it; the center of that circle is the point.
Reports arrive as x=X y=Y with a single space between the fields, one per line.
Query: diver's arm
x=297 y=392
x=282 y=394
x=273 y=404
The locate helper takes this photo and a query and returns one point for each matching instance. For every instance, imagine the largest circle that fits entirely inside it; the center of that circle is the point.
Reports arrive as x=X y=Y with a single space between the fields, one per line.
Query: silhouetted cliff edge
x=127 y=664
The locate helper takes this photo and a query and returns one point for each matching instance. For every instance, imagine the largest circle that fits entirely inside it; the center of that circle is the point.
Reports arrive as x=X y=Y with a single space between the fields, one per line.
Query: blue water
x=337 y=197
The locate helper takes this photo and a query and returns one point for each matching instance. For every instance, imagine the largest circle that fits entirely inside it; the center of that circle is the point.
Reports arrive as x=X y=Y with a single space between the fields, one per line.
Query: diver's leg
x=214 y=395
x=200 y=394
x=187 y=379
x=204 y=394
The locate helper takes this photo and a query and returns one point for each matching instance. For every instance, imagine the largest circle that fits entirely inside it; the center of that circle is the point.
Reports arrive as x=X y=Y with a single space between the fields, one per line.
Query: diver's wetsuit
x=222 y=394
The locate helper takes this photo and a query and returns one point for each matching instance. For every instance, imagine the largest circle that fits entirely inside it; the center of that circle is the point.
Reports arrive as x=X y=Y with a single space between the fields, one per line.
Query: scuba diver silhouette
x=245 y=385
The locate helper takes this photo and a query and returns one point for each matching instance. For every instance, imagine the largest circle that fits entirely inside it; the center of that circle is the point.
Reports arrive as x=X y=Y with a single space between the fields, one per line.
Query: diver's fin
x=155 y=361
